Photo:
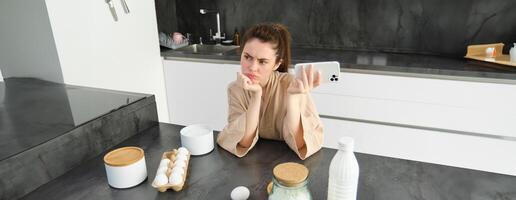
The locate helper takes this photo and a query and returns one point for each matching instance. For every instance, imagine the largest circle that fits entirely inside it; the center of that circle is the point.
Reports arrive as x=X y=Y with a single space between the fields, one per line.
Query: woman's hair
x=278 y=35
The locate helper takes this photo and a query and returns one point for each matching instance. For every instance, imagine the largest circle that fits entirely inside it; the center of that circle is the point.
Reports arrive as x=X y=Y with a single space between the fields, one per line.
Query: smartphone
x=330 y=71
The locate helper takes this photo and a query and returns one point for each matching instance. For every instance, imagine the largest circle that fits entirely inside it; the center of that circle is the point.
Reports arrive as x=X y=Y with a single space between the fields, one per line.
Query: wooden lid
x=290 y=173
x=123 y=156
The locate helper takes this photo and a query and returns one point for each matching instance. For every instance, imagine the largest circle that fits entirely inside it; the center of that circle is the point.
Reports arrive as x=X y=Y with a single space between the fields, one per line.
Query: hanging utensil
x=112 y=9
x=124 y=5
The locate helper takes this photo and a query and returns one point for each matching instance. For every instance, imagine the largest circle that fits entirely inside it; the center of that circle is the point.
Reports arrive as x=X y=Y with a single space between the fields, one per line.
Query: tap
x=218 y=34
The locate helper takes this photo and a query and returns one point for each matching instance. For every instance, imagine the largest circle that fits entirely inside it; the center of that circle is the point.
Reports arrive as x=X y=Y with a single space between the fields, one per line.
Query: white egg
x=183 y=150
x=240 y=193
x=176 y=174
x=164 y=162
x=161 y=179
x=175 y=179
x=180 y=161
x=181 y=157
x=179 y=170
x=162 y=170
x=181 y=164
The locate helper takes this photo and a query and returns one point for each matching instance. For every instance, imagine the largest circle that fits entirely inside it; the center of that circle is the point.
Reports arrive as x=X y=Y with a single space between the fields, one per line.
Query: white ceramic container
x=125 y=167
x=197 y=138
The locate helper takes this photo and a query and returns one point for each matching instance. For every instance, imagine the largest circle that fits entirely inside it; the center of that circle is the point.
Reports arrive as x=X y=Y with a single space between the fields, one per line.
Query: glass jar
x=296 y=192
x=290 y=182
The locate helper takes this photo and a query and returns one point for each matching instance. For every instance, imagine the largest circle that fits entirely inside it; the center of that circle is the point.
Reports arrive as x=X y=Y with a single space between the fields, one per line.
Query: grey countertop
x=214 y=175
x=381 y=63
x=33 y=111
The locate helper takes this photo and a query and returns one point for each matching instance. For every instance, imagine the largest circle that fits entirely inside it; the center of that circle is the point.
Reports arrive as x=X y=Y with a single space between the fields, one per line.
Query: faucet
x=218 y=34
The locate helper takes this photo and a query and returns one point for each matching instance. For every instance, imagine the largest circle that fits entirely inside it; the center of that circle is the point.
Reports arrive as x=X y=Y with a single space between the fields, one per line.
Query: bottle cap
x=346 y=144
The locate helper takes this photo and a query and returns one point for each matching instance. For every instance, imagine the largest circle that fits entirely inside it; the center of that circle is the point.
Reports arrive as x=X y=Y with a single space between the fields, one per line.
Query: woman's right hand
x=247 y=84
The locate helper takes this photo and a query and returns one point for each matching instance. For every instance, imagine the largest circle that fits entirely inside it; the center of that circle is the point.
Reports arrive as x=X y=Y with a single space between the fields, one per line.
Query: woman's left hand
x=308 y=80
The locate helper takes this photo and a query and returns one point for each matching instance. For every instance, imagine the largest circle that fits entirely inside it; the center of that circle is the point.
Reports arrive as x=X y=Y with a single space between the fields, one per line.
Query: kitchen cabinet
x=457 y=123
x=197 y=92
x=474 y=107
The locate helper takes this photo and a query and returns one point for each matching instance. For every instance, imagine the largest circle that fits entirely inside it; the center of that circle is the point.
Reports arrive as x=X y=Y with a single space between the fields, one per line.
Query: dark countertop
x=378 y=62
x=33 y=111
x=214 y=175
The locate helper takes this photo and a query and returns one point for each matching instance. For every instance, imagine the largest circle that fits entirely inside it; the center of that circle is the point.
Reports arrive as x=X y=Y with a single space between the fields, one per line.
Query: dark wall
x=166 y=15
x=418 y=26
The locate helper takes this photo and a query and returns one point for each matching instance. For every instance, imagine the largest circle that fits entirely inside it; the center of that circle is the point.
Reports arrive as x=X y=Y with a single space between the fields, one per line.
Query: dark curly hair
x=276 y=34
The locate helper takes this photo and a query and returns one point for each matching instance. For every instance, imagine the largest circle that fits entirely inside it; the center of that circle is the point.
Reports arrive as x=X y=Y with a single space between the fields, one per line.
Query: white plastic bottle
x=344 y=170
x=512 y=53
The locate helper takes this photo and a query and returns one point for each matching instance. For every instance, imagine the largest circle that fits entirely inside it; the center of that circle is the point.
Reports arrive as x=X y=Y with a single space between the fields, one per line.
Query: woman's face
x=258 y=61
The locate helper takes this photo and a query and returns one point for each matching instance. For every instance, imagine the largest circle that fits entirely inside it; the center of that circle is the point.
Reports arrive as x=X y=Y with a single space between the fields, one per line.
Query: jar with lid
x=290 y=182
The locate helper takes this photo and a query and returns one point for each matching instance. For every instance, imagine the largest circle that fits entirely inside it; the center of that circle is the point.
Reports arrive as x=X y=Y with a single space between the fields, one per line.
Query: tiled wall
x=423 y=26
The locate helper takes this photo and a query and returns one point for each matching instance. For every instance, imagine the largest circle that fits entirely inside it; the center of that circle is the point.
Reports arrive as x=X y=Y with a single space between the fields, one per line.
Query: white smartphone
x=330 y=71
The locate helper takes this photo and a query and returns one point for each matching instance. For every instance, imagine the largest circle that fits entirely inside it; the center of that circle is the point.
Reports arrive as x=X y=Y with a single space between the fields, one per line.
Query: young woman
x=265 y=101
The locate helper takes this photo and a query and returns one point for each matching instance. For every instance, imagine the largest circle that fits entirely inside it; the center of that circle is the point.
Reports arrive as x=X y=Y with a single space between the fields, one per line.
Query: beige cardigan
x=272 y=113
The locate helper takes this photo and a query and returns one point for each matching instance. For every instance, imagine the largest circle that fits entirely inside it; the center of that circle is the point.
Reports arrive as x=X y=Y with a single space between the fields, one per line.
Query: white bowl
x=197 y=138
x=125 y=167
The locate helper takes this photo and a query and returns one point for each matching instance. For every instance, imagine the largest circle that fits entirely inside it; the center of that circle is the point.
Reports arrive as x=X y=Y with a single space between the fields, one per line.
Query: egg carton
x=172 y=155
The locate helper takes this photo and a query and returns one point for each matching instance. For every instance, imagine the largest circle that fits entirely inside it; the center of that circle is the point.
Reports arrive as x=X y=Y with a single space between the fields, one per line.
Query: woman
x=265 y=101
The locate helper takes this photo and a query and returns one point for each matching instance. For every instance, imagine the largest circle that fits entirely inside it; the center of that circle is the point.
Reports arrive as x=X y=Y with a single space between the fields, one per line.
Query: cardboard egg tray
x=172 y=156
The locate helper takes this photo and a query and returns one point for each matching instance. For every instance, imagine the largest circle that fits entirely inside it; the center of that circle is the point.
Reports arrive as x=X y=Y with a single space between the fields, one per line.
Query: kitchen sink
x=209 y=49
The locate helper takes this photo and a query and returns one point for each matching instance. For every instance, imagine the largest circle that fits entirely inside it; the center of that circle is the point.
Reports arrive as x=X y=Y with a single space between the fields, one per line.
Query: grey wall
x=418 y=26
x=27 y=47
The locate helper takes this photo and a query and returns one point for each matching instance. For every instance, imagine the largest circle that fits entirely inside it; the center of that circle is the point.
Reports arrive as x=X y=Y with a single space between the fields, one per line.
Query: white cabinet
x=474 y=107
x=456 y=123
x=465 y=151
x=197 y=92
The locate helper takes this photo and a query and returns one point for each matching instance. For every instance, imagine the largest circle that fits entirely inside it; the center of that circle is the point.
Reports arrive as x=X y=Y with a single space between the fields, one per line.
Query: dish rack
x=167 y=41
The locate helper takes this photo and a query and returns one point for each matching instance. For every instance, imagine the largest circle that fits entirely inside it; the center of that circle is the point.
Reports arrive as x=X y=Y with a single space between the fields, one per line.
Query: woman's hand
x=248 y=85
x=308 y=81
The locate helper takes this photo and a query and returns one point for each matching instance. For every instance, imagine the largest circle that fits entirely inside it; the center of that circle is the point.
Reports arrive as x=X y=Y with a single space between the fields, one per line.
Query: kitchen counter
x=214 y=175
x=33 y=111
x=414 y=65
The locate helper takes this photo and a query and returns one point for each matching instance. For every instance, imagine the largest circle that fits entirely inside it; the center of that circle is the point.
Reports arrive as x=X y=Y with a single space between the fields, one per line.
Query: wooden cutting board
x=478 y=52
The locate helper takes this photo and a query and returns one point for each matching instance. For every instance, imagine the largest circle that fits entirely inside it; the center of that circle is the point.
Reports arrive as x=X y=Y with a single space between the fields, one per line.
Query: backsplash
x=425 y=26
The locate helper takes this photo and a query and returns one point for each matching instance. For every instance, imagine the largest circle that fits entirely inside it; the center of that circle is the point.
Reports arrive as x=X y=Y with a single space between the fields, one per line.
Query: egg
x=175 y=179
x=181 y=157
x=176 y=174
x=181 y=164
x=183 y=151
x=240 y=193
x=161 y=179
x=164 y=162
x=179 y=170
x=162 y=170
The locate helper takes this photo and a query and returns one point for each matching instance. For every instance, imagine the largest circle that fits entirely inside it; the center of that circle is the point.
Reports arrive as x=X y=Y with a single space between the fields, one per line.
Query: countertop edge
x=365 y=71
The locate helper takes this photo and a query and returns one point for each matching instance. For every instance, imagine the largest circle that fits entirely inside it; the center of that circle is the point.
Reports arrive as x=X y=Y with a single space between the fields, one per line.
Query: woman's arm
x=252 y=118
x=302 y=127
x=293 y=118
x=240 y=133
